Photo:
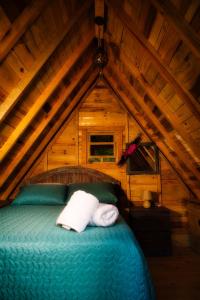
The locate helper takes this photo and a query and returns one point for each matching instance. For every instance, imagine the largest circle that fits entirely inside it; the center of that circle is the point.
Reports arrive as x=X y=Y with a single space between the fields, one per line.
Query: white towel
x=104 y=215
x=78 y=211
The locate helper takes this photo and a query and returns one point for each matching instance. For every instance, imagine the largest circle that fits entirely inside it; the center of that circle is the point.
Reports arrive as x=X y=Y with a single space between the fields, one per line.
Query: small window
x=101 y=148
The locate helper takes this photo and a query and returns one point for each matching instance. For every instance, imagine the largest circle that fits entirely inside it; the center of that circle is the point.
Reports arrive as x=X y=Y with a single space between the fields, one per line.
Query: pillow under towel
x=41 y=194
x=105 y=192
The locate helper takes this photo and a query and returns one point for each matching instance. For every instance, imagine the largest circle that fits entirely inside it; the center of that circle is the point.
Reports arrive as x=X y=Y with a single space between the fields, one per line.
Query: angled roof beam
x=80 y=96
x=184 y=157
x=166 y=8
x=66 y=91
x=5 y=23
x=16 y=93
x=140 y=119
x=20 y=25
x=168 y=136
x=164 y=109
x=165 y=72
x=52 y=85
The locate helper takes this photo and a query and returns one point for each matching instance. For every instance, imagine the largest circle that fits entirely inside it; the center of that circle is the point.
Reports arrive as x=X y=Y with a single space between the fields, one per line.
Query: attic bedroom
x=100 y=97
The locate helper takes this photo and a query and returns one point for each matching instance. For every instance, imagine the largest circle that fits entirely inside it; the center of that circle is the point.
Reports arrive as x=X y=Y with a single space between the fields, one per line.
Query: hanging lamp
x=100 y=58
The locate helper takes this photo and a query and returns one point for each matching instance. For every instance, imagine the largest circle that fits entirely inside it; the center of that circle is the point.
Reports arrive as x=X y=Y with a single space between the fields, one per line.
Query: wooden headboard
x=71 y=174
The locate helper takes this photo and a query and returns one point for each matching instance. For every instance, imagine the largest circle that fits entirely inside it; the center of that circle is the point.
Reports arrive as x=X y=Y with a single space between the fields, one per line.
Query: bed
x=39 y=260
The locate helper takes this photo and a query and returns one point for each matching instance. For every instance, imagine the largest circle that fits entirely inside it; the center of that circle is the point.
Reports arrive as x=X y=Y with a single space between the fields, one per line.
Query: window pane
x=101 y=138
x=101 y=150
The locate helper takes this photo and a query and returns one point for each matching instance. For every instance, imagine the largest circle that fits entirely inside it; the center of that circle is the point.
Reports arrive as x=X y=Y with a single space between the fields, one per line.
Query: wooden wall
x=102 y=111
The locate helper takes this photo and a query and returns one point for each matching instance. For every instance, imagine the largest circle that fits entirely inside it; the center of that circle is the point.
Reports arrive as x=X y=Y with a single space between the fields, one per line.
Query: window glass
x=102 y=149
x=101 y=138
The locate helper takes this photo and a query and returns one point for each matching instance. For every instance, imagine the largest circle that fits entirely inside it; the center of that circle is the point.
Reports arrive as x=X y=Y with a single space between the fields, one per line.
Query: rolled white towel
x=78 y=211
x=104 y=215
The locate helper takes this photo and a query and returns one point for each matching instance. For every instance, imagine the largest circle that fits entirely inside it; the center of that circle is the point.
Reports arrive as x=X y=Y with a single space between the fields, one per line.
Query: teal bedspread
x=39 y=260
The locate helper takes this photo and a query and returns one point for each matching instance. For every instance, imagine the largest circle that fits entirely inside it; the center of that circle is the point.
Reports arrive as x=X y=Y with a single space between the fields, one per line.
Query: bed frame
x=76 y=174
x=71 y=174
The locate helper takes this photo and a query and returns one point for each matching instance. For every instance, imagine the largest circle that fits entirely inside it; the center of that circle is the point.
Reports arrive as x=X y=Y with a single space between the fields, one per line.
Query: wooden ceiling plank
x=47 y=141
x=184 y=94
x=20 y=25
x=67 y=65
x=163 y=108
x=120 y=93
x=42 y=125
x=172 y=15
x=15 y=94
x=147 y=110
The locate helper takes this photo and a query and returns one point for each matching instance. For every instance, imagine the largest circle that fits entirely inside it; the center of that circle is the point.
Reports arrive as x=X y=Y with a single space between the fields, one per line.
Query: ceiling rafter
x=80 y=96
x=20 y=25
x=130 y=106
x=46 y=120
x=184 y=94
x=52 y=85
x=17 y=92
x=184 y=157
x=99 y=12
x=163 y=108
x=188 y=35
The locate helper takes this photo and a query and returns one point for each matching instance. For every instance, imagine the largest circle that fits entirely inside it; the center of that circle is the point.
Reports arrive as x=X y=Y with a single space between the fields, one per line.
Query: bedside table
x=151 y=227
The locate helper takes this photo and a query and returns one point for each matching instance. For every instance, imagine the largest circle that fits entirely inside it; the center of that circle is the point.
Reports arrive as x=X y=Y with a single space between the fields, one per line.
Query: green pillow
x=105 y=192
x=41 y=194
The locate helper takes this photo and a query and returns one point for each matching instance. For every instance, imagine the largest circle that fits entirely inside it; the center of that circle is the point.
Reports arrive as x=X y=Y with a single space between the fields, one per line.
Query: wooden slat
x=180 y=25
x=160 y=104
x=15 y=94
x=154 y=57
x=42 y=125
x=20 y=25
x=130 y=106
x=5 y=24
x=80 y=96
x=70 y=61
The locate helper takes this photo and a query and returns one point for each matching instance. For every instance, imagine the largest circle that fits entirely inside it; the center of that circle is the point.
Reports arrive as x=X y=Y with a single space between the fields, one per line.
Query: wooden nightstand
x=151 y=227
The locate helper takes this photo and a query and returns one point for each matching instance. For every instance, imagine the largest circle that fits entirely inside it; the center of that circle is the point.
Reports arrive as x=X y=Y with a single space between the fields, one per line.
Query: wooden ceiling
x=47 y=67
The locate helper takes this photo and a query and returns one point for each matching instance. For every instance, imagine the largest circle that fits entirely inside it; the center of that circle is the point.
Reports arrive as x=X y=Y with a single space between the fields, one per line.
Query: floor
x=176 y=277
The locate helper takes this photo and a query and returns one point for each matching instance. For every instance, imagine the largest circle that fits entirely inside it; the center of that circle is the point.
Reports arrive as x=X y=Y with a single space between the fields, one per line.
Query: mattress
x=39 y=260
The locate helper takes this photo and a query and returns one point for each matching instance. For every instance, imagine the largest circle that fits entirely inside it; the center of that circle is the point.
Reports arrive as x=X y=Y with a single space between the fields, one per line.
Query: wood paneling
x=167 y=186
x=153 y=70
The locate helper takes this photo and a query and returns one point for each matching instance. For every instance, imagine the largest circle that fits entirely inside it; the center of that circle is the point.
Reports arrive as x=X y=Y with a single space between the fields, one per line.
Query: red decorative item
x=131 y=149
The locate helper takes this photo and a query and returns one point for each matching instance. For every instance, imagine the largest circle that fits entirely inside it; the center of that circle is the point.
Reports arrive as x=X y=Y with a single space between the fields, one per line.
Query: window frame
x=101 y=157
x=156 y=168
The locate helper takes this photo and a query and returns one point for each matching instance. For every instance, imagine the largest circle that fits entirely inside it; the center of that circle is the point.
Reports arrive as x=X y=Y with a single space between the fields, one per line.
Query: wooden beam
x=165 y=71
x=46 y=120
x=20 y=25
x=80 y=96
x=99 y=12
x=143 y=123
x=26 y=121
x=183 y=156
x=16 y=93
x=173 y=119
x=187 y=34
x=5 y=23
